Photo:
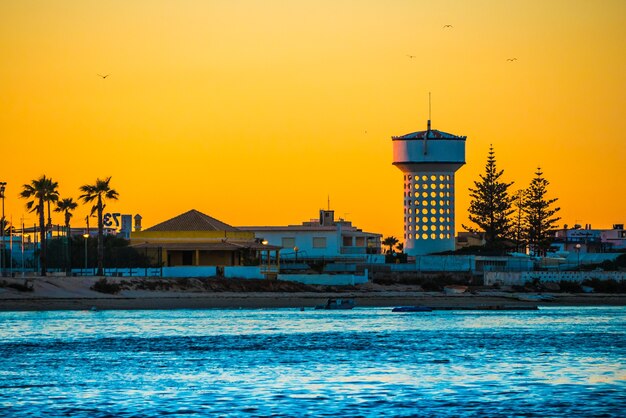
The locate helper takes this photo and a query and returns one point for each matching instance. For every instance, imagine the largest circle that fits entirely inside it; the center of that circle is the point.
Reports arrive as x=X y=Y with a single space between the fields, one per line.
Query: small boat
x=536 y=298
x=454 y=289
x=337 y=304
x=412 y=309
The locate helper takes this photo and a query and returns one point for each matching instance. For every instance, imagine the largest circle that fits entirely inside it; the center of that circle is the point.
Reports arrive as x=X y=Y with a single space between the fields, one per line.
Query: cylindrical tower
x=428 y=160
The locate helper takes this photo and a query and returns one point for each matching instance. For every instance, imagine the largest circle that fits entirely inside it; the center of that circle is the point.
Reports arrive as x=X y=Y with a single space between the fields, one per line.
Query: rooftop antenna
x=328 y=202
x=428 y=128
x=429 y=109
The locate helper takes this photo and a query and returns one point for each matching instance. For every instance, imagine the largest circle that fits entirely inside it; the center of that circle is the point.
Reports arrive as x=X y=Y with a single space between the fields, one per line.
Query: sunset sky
x=255 y=112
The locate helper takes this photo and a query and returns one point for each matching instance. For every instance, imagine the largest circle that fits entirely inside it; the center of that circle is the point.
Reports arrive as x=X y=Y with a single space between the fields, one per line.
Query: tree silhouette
x=41 y=191
x=518 y=229
x=98 y=193
x=539 y=219
x=390 y=242
x=490 y=207
x=66 y=206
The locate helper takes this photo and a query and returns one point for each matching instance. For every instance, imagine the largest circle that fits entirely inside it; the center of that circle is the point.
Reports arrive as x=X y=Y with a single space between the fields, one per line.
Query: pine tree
x=490 y=207
x=518 y=227
x=539 y=219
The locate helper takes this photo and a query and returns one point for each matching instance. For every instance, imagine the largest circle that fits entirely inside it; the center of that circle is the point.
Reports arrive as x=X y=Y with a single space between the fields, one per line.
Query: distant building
x=614 y=239
x=588 y=240
x=469 y=239
x=196 y=239
x=325 y=238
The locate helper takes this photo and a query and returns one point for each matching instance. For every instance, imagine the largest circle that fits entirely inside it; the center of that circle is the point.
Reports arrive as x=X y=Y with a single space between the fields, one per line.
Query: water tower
x=428 y=160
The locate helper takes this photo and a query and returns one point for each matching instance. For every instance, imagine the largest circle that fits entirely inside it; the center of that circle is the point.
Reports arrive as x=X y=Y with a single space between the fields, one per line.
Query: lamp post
x=2 y=187
x=23 y=236
x=295 y=249
x=86 y=236
x=578 y=253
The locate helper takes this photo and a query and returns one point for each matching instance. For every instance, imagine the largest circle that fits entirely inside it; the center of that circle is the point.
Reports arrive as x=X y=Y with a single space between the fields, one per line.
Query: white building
x=615 y=239
x=323 y=238
x=428 y=160
x=588 y=240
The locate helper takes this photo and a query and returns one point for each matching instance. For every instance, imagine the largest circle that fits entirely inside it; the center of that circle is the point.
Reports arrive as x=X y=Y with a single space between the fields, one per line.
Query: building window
x=319 y=242
x=288 y=242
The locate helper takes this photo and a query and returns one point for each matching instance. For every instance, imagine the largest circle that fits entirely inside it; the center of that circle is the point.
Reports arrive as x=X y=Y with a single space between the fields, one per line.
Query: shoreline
x=49 y=293
x=272 y=300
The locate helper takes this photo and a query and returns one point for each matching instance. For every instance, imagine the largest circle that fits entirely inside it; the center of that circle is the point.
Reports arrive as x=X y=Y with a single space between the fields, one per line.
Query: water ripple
x=366 y=362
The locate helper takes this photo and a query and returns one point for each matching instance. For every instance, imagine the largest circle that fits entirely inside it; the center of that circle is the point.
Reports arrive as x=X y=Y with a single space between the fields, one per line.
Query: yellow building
x=196 y=239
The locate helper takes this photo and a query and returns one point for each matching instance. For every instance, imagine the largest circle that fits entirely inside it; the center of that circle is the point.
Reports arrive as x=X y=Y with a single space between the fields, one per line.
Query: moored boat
x=337 y=304
x=454 y=289
x=412 y=309
x=536 y=298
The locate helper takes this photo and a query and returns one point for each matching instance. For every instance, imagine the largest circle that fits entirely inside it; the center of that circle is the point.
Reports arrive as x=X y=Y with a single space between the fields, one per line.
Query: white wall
x=325 y=279
x=304 y=242
x=243 y=272
x=520 y=278
x=190 y=271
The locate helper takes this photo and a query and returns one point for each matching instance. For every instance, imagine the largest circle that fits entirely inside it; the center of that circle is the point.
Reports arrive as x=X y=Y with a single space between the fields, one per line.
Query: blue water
x=364 y=362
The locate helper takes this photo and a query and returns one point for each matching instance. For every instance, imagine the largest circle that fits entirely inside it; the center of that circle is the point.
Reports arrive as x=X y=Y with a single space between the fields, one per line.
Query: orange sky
x=254 y=112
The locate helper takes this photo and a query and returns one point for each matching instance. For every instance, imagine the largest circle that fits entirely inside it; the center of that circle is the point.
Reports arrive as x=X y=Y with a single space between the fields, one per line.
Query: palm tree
x=6 y=225
x=40 y=191
x=7 y=231
x=98 y=192
x=66 y=206
x=390 y=242
x=52 y=196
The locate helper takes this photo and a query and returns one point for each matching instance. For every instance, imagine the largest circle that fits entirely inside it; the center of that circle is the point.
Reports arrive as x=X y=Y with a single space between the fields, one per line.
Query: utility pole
x=2 y=188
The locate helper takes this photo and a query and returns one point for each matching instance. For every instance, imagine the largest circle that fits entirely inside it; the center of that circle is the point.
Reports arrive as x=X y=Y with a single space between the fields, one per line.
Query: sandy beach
x=64 y=293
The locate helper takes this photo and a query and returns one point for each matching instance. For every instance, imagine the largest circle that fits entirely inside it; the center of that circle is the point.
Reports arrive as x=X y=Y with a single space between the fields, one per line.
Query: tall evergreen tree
x=539 y=216
x=518 y=228
x=490 y=207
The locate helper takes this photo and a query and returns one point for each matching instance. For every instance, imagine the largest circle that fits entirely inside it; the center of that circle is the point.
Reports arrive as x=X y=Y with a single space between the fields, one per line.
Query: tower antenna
x=428 y=128
x=429 y=118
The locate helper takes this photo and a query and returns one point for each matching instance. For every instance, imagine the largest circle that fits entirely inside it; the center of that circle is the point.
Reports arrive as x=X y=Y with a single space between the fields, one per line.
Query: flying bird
x=103 y=76
x=411 y=56
x=511 y=59
x=448 y=26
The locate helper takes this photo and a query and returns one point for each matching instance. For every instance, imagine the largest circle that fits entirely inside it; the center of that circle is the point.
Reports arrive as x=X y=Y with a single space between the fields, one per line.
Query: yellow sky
x=254 y=112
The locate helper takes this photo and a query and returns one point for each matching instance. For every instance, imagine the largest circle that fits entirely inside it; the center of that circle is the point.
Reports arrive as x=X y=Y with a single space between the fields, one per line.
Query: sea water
x=287 y=362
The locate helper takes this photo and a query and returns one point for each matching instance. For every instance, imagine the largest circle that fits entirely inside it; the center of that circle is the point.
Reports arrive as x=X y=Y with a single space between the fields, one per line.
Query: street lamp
x=2 y=187
x=23 y=236
x=578 y=253
x=296 y=251
x=85 y=236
